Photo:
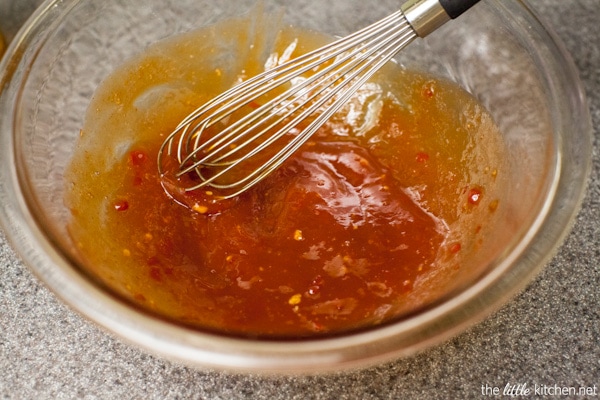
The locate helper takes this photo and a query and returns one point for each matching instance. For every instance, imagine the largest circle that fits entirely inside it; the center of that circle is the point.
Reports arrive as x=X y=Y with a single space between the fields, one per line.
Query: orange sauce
x=372 y=219
x=2 y=45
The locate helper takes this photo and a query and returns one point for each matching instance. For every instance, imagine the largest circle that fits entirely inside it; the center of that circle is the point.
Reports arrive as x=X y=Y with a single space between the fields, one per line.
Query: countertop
x=547 y=335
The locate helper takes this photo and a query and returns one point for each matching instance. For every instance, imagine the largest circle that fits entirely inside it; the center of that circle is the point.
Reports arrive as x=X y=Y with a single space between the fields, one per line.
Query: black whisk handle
x=454 y=8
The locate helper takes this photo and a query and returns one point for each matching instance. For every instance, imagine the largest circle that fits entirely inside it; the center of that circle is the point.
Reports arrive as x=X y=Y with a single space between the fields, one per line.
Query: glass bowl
x=499 y=51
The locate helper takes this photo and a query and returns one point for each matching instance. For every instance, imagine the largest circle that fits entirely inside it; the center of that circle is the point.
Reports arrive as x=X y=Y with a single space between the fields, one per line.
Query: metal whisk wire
x=345 y=65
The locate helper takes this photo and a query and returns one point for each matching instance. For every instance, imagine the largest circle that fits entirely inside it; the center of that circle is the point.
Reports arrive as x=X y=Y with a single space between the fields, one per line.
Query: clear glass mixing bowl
x=499 y=51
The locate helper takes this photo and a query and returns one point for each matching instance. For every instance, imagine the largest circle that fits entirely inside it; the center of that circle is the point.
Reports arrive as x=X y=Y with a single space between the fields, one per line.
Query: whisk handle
x=454 y=8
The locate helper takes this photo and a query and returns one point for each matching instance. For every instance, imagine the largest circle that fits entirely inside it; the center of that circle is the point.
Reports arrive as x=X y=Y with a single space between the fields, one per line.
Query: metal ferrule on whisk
x=425 y=16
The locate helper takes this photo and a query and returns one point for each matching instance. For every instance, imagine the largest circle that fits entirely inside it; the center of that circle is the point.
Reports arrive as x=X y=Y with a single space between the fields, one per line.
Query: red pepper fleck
x=193 y=176
x=455 y=248
x=137 y=158
x=253 y=104
x=428 y=90
x=121 y=205
x=422 y=157
x=137 y=180
x=318 y=281
x=313 y=291
x=139 y=297
x=155 y=274
x=317 y=327
x=475 y=195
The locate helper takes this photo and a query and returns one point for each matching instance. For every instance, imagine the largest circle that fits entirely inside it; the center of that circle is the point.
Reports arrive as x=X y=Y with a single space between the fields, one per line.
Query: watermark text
x=525 y=390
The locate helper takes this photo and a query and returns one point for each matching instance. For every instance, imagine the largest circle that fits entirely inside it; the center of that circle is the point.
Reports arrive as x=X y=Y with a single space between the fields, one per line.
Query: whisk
x=233 y=142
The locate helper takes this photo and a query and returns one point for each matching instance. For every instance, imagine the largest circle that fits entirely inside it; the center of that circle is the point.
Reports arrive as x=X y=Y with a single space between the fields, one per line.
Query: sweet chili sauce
x=369 y=221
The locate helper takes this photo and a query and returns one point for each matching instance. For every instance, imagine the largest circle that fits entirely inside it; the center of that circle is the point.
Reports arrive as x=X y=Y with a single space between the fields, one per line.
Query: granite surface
x=548 y=335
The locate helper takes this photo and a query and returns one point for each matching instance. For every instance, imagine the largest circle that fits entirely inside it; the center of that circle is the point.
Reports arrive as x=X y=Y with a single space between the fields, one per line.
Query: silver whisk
x=232 y=142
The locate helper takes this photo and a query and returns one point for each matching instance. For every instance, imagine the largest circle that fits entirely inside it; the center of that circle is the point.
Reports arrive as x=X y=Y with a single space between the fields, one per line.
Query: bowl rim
x=202 y=349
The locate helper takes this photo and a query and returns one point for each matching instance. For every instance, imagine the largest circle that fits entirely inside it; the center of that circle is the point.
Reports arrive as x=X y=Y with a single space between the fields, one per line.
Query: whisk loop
x=233 y=141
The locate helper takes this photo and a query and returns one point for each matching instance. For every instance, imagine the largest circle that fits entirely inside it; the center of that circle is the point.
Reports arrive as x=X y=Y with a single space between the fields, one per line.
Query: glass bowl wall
x=499 y=51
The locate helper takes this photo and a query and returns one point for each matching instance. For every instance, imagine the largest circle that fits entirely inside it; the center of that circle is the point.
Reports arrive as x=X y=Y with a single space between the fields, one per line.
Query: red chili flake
x=422 y=157
x=318 y=281
x=155 y=274
x=137 y=158
x=475 y=195
x=121 y=205
x=137 y=180
x=313 y=291
x=193 y=176
x=428 y=90
x=407 y=286
x=317 y=327
x=253 y=104
x=139 y=297
x=455 y=248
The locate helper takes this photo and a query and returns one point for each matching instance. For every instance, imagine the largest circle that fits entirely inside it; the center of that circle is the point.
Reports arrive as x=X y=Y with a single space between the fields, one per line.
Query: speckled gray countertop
x=548 y=335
